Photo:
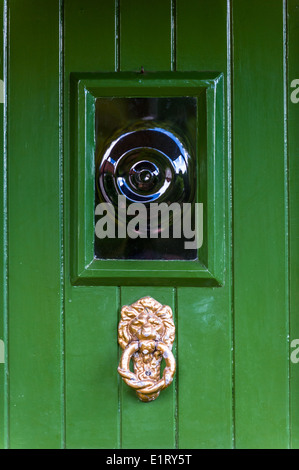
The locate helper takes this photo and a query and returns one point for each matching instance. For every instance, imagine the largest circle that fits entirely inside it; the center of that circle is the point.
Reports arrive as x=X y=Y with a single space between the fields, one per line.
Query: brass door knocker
x=146 y=333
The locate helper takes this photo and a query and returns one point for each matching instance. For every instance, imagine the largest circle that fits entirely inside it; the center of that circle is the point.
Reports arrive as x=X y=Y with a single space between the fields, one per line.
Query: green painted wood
x=204 y=369
x=3 y=263
x=145 y=35
x=260 y=253
x=149 y=425
x=92 y=418
x=91 y=313
x=232 y=382
x=89 y=35
x=201 y=35
x=34 y=348
x=205 y=418
x=156 y=420
x=293 y=146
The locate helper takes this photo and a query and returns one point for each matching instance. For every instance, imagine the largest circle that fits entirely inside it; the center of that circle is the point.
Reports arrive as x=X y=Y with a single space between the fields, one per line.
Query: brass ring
x=150 y=386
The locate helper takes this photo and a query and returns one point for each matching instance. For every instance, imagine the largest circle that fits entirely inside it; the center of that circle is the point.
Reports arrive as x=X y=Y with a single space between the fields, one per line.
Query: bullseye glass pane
x=145 y=188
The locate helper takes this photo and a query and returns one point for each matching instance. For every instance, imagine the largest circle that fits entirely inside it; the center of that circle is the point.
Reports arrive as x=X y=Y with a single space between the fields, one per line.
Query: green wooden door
x=235 y=386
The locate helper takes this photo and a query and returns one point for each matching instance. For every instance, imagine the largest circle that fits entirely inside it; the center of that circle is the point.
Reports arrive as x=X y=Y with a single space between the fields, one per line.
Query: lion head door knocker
x=146 y=333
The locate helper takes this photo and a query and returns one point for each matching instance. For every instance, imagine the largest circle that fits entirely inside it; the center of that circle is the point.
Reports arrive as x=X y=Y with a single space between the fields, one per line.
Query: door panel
x=92 y=397
x=160 y=421
x=3 y=257
x=34 y=263
x=293 y=147
x=204 y=369
x=232 y=384
x=145 y=43
x=261 y=321
x=204 y=314
x=34 y=227
x=156 y=426
x=89 y=45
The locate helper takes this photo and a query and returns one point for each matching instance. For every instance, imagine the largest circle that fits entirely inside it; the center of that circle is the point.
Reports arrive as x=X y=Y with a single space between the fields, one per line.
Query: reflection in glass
x=145 y=152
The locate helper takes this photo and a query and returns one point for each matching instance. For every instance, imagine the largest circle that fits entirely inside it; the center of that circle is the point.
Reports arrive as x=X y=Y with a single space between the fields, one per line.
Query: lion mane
x=152 y=308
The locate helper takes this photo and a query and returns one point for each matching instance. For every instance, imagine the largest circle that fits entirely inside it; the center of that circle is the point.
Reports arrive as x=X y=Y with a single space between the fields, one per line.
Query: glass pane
x=145 y=177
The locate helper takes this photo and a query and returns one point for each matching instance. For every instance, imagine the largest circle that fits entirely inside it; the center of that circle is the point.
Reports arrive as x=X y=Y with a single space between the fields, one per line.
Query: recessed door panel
x=122 y=125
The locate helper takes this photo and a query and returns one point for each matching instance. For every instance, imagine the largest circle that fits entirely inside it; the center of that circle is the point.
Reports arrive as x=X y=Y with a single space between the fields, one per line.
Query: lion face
x=146 y=320
x=146 y=326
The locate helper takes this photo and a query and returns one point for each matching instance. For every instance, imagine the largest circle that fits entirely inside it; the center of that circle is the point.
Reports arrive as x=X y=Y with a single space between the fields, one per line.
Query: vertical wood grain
x=34 y=226
x=3 y=237
x=205 y=418
x=204 y=369
x=91 y=368
x=92 y=414
x=145 y=40
x=201 y=35
x=260 y=253
x=293 y=143
x=149 y=425
x=145 y=35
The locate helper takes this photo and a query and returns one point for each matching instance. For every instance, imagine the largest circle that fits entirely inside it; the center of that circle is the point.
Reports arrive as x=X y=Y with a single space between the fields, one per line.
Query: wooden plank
x=260 y=251
x=34 y=226
x=293 y=142
x=204 y=369
x=145 y=35
x=3 y=235
x=92 y=419
x=148 y=425
x=201 y=35
x=204 y=314
x=92 y=414
x=89 y=31
x=145 y=41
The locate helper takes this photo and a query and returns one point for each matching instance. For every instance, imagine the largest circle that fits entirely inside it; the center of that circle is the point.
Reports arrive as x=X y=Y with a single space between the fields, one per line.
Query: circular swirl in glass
x=149 y=164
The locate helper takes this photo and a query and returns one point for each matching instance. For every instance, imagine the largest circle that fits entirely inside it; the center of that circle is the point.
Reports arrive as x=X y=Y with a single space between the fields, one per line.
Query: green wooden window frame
x=209 y=90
